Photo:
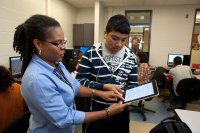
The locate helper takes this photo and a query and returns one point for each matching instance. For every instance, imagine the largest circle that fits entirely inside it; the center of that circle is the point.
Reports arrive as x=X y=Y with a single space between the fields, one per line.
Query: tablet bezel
x=155 y=90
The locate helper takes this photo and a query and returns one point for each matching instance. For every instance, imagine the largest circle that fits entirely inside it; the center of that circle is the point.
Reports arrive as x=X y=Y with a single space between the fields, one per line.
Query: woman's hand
x=117 y=107
x=110 y=111
x=111 y=96
x=114 y=88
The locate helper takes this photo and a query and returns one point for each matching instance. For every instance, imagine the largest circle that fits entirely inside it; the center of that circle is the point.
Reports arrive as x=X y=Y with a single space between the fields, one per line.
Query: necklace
x=62 y=77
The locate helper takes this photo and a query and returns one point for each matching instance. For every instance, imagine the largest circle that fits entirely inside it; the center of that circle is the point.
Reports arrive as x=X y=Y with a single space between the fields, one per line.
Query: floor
x=137 y=125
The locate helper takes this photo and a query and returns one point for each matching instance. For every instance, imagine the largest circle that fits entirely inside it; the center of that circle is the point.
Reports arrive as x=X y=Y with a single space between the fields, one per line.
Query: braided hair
x=6 y=78
x=33 y=28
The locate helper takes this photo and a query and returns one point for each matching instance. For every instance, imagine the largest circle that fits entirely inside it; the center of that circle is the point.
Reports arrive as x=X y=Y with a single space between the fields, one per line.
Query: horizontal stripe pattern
x=92 y=71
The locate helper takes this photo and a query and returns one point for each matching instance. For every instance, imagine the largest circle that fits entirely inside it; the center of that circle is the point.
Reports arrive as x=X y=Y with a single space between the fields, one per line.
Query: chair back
x=160 y=77
x=189 y=89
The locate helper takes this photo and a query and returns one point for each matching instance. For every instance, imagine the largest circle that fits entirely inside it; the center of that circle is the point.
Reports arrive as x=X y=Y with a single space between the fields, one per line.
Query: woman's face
x=135 y=44
x=115 y=41
x=53 y=48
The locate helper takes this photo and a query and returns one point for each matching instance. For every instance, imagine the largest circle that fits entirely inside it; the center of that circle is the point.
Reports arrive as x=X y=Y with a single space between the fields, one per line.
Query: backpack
x=171 y=125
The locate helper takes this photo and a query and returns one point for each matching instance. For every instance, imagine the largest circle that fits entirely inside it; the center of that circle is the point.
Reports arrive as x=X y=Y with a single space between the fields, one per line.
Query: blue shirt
x=50 y=100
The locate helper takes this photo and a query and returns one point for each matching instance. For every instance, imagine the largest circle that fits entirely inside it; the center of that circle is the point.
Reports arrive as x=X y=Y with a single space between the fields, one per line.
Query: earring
x=40 y=51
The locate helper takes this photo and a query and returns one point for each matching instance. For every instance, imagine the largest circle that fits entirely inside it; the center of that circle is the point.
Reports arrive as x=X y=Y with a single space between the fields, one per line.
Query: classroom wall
x=85 y=16
x=65 y=14
x=99 y=22
x=15 y=12
x=171 y=31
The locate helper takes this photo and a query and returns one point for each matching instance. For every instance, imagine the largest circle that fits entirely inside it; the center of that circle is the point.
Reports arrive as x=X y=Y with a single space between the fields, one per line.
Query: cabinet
x=83 y=34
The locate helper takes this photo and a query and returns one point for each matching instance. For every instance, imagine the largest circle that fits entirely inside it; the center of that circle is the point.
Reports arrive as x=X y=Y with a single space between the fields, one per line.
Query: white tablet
x=141 y=92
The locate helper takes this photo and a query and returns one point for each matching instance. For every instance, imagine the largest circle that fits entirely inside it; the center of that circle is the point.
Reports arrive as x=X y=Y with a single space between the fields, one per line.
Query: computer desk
x=18 y=80
x=191 y=118
x=197 y=76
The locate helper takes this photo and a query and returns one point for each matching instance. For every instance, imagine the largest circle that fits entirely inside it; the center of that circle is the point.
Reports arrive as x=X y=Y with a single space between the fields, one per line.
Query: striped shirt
x=93 y=70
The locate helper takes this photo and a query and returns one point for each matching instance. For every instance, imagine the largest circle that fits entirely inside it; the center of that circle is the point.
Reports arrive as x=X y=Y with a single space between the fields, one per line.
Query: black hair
x=143 y=57
x=33 y=28
x=177 y=60
x=72 y=65
x=6 y=78
x=118 y=23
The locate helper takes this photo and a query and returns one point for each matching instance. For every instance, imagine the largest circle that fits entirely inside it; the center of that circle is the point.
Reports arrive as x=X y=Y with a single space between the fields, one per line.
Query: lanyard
x=63 y=78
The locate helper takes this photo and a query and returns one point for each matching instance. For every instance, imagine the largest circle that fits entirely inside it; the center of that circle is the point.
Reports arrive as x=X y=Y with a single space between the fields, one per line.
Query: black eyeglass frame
x=59 y=43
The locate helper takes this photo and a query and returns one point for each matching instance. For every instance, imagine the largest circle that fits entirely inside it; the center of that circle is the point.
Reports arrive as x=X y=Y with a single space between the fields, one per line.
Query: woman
x=47 y=86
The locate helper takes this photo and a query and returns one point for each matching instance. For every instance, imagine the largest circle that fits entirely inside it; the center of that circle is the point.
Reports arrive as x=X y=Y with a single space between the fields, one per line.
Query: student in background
x=109 y=65
x=11 y=101
x=144 y=72
x=79 y=55
x=178 y=73
x=47 y=86
x=135 y=45
x=72 y=67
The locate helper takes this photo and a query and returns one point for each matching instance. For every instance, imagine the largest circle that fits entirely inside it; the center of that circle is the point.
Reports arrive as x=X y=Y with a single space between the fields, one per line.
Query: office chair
x=160 y=77
x=19 y=125
x=188 y=89
x=144 y=76
x=141 y=109
x=161 y=80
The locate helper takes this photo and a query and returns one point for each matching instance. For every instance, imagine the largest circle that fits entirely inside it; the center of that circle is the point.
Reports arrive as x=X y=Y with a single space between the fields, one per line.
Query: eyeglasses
x=59 y=44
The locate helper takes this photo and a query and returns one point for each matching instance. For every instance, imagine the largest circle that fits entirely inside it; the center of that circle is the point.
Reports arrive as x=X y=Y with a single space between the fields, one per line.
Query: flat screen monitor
x=186 y=60
x=15 y=66
x=83 y=49
x=70 y=53
x=171 y=59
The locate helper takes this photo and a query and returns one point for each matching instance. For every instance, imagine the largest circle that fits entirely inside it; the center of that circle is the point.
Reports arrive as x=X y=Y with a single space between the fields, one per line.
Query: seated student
x=11 y=101
x=72 y=67
x=144 y=72
x=79 y=55
x=178 y=73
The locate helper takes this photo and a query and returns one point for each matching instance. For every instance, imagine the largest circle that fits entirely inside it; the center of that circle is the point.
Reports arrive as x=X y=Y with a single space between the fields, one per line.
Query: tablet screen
x=141 y=92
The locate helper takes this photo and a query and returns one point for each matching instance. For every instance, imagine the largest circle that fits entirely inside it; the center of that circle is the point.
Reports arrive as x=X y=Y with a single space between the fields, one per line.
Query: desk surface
x=191 y=118
x=197 y=76
x=18 y=80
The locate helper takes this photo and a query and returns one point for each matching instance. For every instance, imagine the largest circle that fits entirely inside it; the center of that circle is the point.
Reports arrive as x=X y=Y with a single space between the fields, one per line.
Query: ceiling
x=124 y=3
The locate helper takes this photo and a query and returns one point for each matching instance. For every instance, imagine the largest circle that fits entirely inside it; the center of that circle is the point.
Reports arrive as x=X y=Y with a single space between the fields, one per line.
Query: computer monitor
x=171 y=59
x=83 y=49
x=15 y=66
x=69 y=54
x=186 y=60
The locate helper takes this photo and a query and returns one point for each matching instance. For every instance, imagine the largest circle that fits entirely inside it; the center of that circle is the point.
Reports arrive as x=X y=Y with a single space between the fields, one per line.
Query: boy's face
x=115 y=41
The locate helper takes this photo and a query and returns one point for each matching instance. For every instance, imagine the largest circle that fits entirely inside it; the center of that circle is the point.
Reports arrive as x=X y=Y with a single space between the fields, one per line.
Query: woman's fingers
x=116 y=97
